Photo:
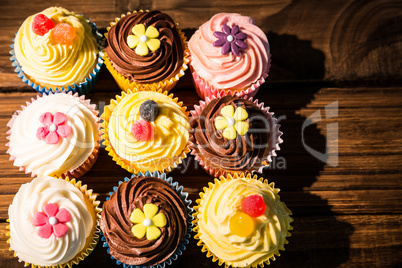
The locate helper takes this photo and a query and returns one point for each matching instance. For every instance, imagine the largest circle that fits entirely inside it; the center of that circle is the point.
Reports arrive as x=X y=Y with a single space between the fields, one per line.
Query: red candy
x=63 y=34
x=42 y=24
x=253 y=205
x=142 y=130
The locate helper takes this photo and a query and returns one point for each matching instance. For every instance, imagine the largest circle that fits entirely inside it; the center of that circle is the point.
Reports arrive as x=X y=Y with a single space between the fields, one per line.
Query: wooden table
x=335 y=86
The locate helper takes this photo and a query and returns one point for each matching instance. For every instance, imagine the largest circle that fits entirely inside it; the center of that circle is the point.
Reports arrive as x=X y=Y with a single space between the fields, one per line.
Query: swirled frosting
x=155 y=66
x=240 y=154
x=223 y=200
x=55 y=64
x=116 y=225
x=229 y=71
x=170 y=138
x=31 y=198
x=69 y=153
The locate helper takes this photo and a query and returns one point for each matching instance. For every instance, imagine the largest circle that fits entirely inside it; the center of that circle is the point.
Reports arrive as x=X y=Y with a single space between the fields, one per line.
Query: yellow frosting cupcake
x=139 y=138
x=241 y=222
x=56 y=48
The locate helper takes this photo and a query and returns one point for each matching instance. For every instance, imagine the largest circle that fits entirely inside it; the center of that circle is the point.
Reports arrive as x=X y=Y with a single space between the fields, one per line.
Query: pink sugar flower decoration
x=54 y=127
x=51 y=221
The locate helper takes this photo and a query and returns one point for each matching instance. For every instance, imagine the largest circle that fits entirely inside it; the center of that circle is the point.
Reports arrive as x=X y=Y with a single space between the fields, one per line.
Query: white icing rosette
x=55 y=135
x=53 y=222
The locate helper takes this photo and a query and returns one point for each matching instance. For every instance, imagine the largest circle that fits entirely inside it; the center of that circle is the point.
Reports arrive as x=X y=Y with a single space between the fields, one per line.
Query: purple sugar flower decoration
x=231 y=40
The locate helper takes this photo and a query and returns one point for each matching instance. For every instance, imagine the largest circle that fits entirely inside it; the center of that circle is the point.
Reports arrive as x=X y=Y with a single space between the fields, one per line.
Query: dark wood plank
x=345 y=41
x=321 y=241
x=336 y=63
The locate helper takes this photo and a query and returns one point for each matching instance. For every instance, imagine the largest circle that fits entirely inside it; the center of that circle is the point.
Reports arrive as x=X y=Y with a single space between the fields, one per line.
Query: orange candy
x=63 y=34
x=242 y=224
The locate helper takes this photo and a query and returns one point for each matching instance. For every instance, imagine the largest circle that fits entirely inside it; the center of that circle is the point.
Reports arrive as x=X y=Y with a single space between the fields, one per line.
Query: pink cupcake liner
x=205 y=90
x=264 y=161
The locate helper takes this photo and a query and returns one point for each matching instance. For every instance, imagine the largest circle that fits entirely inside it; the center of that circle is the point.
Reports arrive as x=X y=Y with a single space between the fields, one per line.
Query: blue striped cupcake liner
x=187 y=202
x=82 y=88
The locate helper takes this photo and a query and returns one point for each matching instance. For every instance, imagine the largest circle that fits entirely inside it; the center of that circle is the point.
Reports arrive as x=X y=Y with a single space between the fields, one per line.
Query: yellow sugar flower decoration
x=143 y=39
x=147 y=222
x=232 y=122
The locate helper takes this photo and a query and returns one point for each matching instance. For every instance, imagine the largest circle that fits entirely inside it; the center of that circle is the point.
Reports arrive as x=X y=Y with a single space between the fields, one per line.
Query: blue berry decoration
x=149 y=110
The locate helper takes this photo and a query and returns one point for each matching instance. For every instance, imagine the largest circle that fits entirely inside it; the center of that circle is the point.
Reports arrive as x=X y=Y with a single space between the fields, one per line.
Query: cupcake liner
x=91 y=242
x=81 y=88
x=86 y=165
x=205 y=90
x=271 y=152
x=187 y=202
x=167 y=84
x=196 y=228
x=124 y=163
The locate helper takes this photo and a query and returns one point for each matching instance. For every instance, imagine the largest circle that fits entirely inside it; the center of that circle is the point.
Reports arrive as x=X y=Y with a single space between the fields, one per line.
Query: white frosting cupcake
x=55 y=135
x=53 y=222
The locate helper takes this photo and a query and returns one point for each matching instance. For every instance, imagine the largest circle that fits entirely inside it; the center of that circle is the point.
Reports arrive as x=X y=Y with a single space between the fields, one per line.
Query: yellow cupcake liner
x=85 y=166
x=131 y=166
x=167 y=84
x=91 y=242
x=196 y=229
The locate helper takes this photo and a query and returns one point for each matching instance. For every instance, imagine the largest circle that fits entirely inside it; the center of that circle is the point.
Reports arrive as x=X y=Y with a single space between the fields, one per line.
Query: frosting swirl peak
x=157 y=65
x=220 y=203
x=229 y=71
x=52 y=251
x=245 y=152
x=116 y=225
x=45 y=61
x=67 y=154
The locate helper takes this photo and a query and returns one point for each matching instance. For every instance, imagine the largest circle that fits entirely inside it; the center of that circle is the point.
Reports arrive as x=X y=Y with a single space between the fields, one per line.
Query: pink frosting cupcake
x=229 y=53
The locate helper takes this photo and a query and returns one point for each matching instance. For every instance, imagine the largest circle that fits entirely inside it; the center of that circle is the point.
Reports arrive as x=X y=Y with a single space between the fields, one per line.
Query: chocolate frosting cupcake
x=244 y=153
x=117 y=226
x=156 y=65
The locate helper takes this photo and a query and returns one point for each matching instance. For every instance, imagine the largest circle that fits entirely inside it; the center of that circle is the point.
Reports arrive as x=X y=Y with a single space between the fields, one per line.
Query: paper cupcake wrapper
x=166 y=85
x=91 y=241
x=81 y=169
x=81 y=88
x=187 y=202
x=275 y=140
x=205 y=90
x=131 y=166
x=197 y=230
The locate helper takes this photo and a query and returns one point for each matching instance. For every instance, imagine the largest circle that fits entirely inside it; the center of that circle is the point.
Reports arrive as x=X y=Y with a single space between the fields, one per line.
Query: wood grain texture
x=338 y=210
x=336 y=65
x=311 y=40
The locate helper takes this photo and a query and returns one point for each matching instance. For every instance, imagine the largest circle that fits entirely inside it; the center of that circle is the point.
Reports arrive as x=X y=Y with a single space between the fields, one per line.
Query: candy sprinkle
x=253 y=205
x=142 y=130
x=63 y=34
x=42 y=24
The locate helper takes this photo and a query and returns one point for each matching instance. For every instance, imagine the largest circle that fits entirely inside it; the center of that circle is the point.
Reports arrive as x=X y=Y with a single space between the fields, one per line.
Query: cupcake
x=57 y=50
x=53 y=222
x=145 y=50
x=241 y=222
x=229 y=53
x=146 y=130
x=231 y=135
x=55 y=135
x=146 y=221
